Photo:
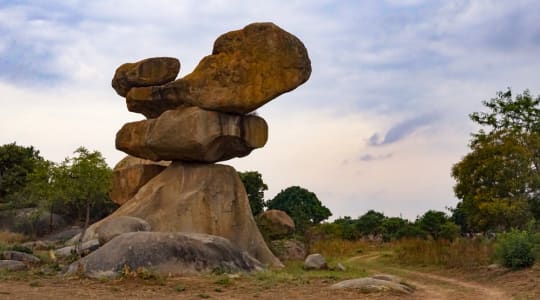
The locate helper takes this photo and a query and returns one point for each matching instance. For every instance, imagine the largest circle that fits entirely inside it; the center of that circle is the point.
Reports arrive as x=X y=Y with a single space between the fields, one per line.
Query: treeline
x=376 y=226
x=75 y=189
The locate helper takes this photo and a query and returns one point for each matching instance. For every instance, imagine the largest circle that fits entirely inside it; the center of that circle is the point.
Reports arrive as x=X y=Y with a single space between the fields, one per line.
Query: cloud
x=401 y=131
x=371 y=157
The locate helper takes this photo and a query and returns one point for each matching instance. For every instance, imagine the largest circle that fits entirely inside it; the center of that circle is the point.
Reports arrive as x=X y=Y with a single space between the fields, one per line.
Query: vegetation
x=255 y=188
x=301 y=205
x=16 y=164
x=498 y=180
x=516 y=249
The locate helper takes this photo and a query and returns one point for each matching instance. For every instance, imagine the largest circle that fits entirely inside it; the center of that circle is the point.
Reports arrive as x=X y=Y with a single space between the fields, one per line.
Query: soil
x=480 y=283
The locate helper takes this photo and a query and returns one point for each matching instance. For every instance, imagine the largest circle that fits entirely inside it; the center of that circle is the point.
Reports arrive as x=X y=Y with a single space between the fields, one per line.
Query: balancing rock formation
x=196 y=121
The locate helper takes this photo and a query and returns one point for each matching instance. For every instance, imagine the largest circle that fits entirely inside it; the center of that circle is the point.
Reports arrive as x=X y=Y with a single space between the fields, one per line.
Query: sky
x=378 y=125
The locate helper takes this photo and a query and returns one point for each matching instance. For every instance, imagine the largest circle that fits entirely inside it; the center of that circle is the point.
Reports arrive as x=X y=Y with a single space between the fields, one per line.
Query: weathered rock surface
x=372 y=285
x=199 y=198
x=275 y=223
x=165 y=253
x=20 y=256
x=37 y=245
x=86 y=247
x=315 y=262
x=130 y=174
x=247 y=68
x=116 y=226
x=12 y=265
x=193 y=134
x=289 y=249
x=147 y=72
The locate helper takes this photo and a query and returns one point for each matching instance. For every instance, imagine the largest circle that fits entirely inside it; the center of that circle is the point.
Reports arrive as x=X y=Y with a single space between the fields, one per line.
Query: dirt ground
x=481 y=283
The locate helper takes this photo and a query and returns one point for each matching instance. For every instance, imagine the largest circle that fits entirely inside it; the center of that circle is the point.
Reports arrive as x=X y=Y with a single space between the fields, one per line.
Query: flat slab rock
x=247 y=68
x=165 y=253
x=20 y=256
x=193 y=134
x=375 y=285
x=12 y=265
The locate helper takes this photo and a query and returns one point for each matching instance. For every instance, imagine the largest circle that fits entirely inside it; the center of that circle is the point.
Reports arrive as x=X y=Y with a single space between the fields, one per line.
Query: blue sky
x=378 y=125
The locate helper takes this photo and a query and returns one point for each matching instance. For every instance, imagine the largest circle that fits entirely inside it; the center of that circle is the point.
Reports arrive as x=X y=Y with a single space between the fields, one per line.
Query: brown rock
x=199 y=198
x=147 y=72
x=247 y=68
x=276 y=224
x=193 y=134
x=289 y=249
x=116 y=226
x=130 y=174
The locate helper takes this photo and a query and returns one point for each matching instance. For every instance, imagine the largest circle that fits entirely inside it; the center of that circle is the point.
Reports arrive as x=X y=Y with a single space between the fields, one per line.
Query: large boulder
x=130 y=174
x=113 y=227
x=165 y=253
x=247 y=68
x=198 y=198
x=147 y=72
x=193 y=134
x=276 y=224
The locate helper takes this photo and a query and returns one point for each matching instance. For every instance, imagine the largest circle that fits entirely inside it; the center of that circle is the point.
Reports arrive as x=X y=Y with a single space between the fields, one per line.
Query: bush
x=516 y=249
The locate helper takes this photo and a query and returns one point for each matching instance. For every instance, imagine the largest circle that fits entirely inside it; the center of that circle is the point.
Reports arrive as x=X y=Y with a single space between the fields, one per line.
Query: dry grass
x=339 y=248
x=461 y=253
x=7 y=237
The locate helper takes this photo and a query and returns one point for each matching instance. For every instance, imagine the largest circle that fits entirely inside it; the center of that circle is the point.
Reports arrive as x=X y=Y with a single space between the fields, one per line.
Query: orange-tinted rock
x=247 y=68
x=193 y=134
x=147 y=72
x=275 y=223
x=198 y=198
x=130 y=174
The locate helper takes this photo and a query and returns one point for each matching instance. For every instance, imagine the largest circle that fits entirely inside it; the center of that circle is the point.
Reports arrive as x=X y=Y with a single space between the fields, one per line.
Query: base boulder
x=164 y=253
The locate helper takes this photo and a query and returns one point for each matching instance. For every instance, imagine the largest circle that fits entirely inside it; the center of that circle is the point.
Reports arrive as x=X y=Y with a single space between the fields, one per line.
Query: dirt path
x=431 y=286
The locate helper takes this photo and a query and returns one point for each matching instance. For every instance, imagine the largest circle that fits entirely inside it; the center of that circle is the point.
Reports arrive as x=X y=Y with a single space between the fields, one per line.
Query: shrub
x=516 y=249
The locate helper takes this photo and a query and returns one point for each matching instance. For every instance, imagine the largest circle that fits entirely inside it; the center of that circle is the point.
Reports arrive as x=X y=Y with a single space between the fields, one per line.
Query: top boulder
x=147 y=72
x=247 y=68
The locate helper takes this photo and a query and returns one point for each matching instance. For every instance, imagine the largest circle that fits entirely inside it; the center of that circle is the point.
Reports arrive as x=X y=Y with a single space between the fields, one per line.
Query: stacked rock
x=196 y=121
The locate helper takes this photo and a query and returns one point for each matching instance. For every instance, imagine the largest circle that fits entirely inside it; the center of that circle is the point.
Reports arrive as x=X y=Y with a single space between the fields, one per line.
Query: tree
x=301 y=205
x=498 y=181
x=438 y=225
x=16 y=162
x=370 y=223
x=255 y=188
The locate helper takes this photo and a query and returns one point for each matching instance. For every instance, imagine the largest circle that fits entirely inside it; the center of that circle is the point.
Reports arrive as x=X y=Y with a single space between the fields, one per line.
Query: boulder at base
x=130 y=174
x=276 y=224
x=165 y=253
x=289 y=249
x=193 y=134
x=247 y=68
x=113 y=227
x=150 y=71
x=199 y=198
x=315 y=262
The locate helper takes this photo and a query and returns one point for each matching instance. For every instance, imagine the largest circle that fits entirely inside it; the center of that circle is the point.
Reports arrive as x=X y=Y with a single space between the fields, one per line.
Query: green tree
x=498 y=181
x=370 y=223
x=438 y=225
x=255 y=187
x=301 y=205
x=16 y=163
